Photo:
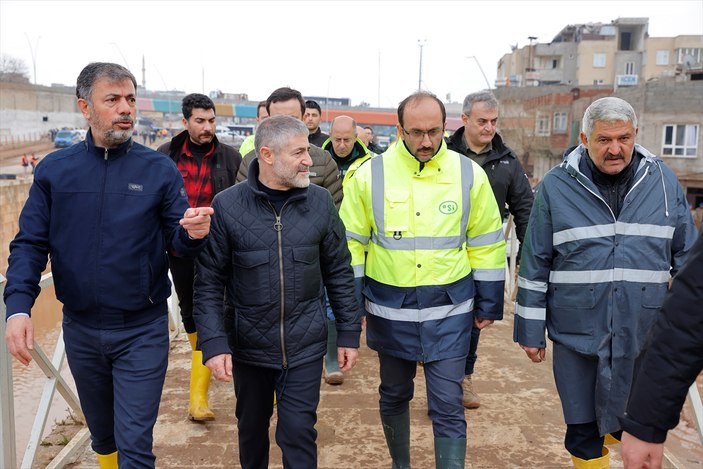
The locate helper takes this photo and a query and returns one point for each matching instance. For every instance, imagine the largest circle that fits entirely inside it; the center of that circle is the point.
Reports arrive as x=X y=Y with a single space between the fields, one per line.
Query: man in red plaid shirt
x=208 y=166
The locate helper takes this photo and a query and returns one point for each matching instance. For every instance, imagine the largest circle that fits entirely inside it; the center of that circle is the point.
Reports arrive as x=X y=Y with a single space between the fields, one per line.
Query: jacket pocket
x=251 y=272
x=397 y=211
x=571 y=309
x=653 y=296
x=308 y=276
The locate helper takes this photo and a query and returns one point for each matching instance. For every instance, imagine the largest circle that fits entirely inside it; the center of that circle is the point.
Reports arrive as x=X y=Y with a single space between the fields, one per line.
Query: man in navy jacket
x=105 y=211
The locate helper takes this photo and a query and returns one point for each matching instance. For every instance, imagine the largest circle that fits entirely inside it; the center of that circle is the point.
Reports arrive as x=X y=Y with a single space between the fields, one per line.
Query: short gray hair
x=274 y=132
x=97 y=70
x=609 y=109
x=479 y=97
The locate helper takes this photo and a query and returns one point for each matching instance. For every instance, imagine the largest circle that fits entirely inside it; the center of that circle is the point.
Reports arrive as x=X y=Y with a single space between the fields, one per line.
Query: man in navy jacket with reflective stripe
x=609 y=227
x=105 y=211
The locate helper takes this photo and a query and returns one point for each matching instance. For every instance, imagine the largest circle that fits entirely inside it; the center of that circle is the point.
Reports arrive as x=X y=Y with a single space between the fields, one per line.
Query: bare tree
x=13 y=70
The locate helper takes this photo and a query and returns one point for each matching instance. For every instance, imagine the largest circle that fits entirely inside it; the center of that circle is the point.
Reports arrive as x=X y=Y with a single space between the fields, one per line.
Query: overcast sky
x=364 y=50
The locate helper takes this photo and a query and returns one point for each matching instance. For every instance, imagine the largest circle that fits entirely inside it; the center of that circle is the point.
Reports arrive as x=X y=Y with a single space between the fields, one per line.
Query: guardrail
x=52 y=370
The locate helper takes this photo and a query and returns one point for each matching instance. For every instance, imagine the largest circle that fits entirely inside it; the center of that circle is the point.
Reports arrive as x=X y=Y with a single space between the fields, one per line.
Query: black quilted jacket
x=273 y=279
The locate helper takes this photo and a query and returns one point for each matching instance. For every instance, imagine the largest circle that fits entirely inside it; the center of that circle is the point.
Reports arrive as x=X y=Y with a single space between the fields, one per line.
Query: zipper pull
x=106 y=152
x=278 y=226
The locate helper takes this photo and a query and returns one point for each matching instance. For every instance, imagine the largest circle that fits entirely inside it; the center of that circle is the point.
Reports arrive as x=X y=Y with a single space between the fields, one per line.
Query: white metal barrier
x=511 y=244
x=52 y=370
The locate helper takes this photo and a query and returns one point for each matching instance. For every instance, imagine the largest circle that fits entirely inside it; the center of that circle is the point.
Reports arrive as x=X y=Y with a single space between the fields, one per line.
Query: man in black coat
x=208 y=166
x=278 y=242
x=669 y=367
x=478 y=139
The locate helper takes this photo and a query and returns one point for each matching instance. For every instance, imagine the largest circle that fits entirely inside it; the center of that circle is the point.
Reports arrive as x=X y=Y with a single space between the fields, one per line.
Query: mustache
x=611 y=156
x=123 y=120
x=425 y=149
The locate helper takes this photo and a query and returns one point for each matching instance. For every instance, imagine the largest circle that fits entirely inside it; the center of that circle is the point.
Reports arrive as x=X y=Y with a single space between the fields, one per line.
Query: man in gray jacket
x=323 y=172
x=609 y=227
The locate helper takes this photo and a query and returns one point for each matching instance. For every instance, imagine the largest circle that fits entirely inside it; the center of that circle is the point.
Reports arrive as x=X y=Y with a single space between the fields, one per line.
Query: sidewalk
x=519 y=423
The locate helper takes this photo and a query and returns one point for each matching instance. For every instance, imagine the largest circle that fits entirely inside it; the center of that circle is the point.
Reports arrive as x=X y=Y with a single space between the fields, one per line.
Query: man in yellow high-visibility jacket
x=435 y=266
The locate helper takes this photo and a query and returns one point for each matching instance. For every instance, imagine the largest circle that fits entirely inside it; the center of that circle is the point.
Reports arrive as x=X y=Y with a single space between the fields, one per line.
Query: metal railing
x=52 y=371
x=511 y=245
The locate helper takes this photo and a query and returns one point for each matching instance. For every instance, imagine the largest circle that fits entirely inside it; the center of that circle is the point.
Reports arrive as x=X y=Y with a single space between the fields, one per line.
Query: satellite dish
x=688 y=62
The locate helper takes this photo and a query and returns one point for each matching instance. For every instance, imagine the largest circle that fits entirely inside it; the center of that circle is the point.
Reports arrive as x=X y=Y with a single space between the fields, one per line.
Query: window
x=599 y=60
x=559 y=122
x=629 y=68
x=662 y=57
x=680 y=140
x=692 y=53
x=625 y=40
x=542 y=125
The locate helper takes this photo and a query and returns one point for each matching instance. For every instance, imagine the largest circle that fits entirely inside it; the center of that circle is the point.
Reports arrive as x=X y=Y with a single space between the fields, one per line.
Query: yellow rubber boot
x=198 y=408
x=107 y=461
x=598 y=463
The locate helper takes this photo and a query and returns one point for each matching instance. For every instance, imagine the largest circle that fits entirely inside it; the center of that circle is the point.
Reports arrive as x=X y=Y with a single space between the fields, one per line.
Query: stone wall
x=13 y=194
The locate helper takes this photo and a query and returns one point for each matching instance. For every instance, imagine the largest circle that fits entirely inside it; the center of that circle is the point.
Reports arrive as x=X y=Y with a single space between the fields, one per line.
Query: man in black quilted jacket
x=276 y=243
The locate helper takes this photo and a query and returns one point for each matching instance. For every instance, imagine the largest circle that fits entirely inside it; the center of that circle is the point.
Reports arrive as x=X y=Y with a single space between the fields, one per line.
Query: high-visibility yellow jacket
x=361 y=151
x=436 y=253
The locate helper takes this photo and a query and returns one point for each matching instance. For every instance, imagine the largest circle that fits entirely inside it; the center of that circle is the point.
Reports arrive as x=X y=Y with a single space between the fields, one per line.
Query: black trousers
x=583 y=440
x=297 y=395
x=183 y=273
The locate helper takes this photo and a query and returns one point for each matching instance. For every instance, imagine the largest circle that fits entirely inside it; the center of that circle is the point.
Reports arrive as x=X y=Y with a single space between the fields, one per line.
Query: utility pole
x=420 y=43
x=143 y=73
x=530 y=68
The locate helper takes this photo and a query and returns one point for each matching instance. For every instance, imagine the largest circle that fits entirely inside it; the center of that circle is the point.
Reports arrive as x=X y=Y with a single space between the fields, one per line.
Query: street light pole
x=481 y=69
x=420 y=43
x=33 y=51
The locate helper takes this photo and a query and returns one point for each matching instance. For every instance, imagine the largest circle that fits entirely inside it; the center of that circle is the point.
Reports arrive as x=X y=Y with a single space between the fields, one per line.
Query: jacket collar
x=179 y=140
x=118 y=151
x=416 y=164
x=457 y=143
x=573 y=158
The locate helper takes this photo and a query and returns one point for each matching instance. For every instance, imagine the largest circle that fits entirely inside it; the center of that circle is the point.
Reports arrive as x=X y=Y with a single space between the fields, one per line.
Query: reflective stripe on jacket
x=436 y=251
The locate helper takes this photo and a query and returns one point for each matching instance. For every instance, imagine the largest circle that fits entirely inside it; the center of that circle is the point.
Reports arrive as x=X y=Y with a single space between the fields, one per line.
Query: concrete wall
x=23 y=108
x=13 y=194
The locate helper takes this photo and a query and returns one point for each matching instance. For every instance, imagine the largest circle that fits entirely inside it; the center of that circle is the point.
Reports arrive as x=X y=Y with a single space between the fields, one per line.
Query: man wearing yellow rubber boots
x=105 y=211
x=208 y=166
x=609 y=227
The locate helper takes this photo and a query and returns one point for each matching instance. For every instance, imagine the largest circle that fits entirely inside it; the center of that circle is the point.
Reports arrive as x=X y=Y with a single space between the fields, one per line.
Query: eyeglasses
x=420 y=134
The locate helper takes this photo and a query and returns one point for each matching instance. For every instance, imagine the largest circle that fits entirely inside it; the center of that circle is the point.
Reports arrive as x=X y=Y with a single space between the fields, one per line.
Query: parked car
x=229 y=137
x=66 y=138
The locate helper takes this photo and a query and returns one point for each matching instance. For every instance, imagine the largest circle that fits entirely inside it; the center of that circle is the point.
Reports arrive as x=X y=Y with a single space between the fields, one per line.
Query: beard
x=110 y=136
x=291 y=177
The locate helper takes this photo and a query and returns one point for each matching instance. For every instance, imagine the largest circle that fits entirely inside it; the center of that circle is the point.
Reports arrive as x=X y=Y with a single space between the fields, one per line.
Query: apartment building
x=618 y=54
